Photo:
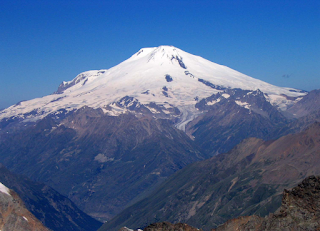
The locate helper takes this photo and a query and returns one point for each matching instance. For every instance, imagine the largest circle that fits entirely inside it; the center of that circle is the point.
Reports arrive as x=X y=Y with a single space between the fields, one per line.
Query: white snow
x=226 y=95
x=281 y=101
x=127 y=229
x=153 y=110
x=102 y=158
x=146 y=71
x=214 y=102
x=4 y=189
x=188 y=114
x=243 y=104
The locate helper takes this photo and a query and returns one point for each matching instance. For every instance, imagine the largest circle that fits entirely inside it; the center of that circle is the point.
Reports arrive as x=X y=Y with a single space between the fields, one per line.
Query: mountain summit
x=164 y=81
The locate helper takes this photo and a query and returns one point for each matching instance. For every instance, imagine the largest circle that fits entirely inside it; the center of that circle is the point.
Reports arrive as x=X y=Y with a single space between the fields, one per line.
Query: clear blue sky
x=45 y=42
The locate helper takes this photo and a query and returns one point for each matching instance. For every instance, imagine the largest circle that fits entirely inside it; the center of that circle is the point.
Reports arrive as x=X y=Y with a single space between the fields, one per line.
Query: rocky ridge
x=52 y=209
x=164 y=226
x=167 y=226
x=299 y=211
x=14 y=216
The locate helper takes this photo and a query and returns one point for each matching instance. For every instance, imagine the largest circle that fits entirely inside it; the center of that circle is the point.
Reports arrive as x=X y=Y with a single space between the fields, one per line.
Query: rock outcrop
x=52 y=209
x=167 y=226
x=164 y=226
x=300 y=210
x=14 y=216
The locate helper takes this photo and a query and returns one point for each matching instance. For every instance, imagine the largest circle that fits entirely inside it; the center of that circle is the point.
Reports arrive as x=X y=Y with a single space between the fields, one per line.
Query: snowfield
x=4 y=189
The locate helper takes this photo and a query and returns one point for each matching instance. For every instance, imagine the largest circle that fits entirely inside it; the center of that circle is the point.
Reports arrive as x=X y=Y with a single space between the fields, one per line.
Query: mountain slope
x=100 y=162
x=14 y=216
x=305 y=112
x=298 y=211
x=307 y=105
x=231 y=116
x=51 y=208
x=247 y=180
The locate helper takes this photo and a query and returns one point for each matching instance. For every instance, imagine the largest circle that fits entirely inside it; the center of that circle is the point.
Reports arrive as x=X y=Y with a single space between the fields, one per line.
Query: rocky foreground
x=164 y=226
x=300 y=210
x=14 y=216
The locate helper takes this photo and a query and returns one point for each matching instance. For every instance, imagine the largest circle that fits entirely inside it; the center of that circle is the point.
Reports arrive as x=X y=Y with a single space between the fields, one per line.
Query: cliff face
x=14 y=216
x=299 y=211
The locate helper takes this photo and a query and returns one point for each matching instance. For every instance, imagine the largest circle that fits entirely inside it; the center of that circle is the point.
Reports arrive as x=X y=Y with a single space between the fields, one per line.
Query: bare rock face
x=167 y=226
x=14 y=216
x=299 y=211
x=307 y=105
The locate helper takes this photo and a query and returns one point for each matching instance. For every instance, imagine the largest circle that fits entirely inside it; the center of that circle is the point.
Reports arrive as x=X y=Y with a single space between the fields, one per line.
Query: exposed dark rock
x=299 y=211
x=165 y=93
x=225 y=123
x=168 y=78
x=308 y=104
x=55 y=100
x=134 y=106
x=209 y=84
x=179 y=59
x=189 y=74
x=167 y=226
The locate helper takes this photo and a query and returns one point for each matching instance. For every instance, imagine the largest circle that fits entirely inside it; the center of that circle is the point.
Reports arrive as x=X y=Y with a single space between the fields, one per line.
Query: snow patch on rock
x=102 y=158
x=4 y=189
x=243 y=104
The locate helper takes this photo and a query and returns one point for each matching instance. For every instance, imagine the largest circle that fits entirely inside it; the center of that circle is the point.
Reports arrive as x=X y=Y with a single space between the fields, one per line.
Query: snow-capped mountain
x=105 y=159
x=164 y=81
